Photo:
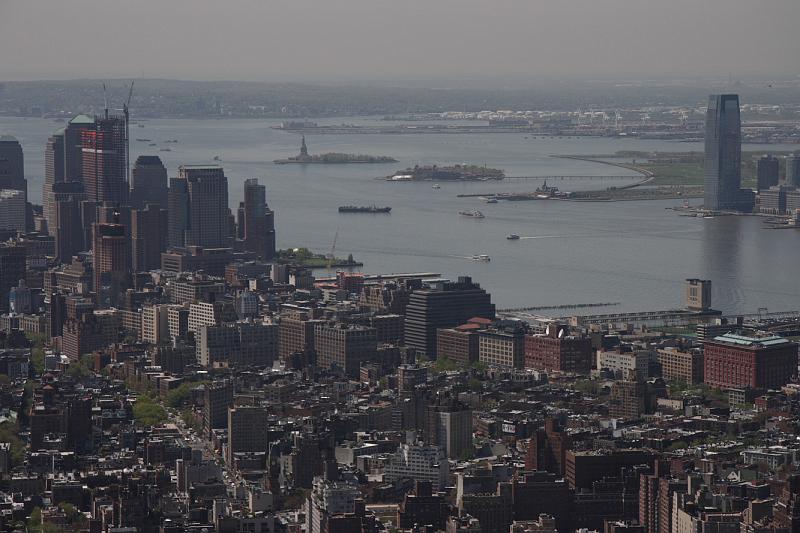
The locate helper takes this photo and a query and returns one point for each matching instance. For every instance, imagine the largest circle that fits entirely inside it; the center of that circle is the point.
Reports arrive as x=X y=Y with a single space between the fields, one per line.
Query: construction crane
x=105 y=101
x=126 y=113
x=332 y=256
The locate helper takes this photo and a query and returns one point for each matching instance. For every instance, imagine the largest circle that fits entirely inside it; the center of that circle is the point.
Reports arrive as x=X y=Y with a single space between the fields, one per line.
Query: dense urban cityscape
x=170 y=362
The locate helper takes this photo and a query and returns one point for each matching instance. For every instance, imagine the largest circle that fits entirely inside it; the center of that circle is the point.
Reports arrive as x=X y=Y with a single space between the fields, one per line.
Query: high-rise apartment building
x=148 y=237
x=258 y=221
x=443 y=304
x=296 y=333
x=112 y=262
x=247 y=430
x=723 y=156
x=238 y=344
x=344 y=348
x=104 y=162
x=217 y=398
x=198 y=208
x=449 y=425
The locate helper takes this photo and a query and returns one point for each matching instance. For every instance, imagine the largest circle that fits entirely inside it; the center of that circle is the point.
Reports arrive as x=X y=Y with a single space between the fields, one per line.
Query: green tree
x=147 y=412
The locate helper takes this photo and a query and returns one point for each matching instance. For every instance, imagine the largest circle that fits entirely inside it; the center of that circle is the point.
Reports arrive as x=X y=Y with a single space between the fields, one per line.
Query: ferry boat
x=512 y=237
x=471 y=214
x=481 y=257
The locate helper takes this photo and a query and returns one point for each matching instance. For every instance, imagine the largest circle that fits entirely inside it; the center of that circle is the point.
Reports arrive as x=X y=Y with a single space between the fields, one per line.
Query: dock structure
x=391 y=277
x=650 y=318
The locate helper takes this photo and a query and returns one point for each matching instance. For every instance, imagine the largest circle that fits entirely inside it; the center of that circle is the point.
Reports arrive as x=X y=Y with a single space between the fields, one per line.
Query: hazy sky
x=340 y=40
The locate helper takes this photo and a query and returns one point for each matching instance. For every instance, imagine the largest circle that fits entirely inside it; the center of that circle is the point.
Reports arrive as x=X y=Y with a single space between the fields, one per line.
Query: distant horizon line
x=425 y=82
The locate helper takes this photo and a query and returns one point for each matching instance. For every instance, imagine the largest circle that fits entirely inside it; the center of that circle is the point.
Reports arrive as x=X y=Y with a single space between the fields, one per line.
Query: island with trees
x=448 y=173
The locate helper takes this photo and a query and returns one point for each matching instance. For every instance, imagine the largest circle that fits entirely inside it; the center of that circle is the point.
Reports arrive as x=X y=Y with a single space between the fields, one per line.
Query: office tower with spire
x=198 y=208
x=112 y=262
x=258 y=221
x=104 y=162
x=723 y=156
x=148 y=182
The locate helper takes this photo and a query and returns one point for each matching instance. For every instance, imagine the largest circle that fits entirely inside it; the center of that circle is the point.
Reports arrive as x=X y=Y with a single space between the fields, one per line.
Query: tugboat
x=363 y=209
x=512 y=237
x=471 y=214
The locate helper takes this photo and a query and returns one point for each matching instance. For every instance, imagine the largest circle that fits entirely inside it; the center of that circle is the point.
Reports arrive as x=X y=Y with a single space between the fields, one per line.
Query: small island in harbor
x=448 y=173
x=331 y=158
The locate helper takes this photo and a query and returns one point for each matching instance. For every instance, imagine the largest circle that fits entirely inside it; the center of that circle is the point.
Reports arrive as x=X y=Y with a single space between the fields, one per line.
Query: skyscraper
x=767 y=172
x=198 y=208
x=104 y=161
x=112 y=263
x=12 y=210
x=12 y=166
x=793 y=170
x=63 y=162
x=148 y=182
x=12 y=269
x=149 y=237
x=258 y=221
x=53 y=173
x=66 y=226
x=723 y=156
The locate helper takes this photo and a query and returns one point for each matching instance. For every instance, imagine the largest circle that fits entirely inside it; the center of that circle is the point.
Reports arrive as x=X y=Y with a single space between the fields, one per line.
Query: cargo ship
x=363 y=209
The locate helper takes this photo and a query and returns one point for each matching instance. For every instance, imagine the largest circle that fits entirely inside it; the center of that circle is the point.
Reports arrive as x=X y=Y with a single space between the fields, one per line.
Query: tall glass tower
x=723 y=155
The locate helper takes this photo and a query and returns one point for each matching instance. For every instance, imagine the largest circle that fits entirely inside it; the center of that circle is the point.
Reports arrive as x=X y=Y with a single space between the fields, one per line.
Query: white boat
x=490 y=200
x=472 y=214
x=512 y=237
x=436 y=186
x=481 y=257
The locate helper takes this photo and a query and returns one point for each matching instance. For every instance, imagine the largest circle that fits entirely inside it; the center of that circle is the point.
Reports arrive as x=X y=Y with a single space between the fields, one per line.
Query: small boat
x=436 y=186
x=481 y=257
x=152 y=144
x=143 y=140
x=512 y=237
x=471 y=214
x=491 y=200
x=166 y=150
x=217 y=158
